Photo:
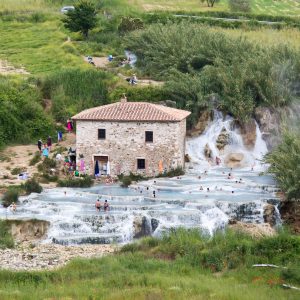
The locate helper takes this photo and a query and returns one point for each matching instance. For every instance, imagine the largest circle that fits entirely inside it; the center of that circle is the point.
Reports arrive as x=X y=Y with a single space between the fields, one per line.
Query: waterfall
x=195 y=147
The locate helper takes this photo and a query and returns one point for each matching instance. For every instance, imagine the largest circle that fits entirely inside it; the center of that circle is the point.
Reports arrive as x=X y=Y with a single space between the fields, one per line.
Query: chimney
x=123 y=99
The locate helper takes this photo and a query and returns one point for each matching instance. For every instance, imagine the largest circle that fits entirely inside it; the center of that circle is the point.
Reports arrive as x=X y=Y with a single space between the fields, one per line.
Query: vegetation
x=74 y=90
x=36 y=158
x=240 y=5
x=32 y=186
x=172 y=173
x=182 y=265
x=82 y=18
x=285 y=165
x=84 y=181
x=10 y=196
x=6 y=240
x=22 y=117
x=126 y=180
x=210 y=68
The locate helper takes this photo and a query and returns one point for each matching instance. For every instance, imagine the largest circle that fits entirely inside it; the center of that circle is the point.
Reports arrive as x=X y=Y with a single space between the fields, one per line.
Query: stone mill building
x=138 y=137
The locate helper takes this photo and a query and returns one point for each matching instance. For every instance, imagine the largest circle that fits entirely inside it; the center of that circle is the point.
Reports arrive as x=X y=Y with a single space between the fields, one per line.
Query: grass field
x=135 y=277
x=39 y=47
x=171 y=268
x=271 y=7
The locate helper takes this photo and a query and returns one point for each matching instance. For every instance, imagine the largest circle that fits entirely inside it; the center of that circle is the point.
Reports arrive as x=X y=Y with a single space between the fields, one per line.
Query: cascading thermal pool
x=205 y=198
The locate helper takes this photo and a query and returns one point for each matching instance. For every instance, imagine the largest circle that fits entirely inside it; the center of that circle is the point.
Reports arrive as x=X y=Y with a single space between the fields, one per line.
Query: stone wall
x=125 y=143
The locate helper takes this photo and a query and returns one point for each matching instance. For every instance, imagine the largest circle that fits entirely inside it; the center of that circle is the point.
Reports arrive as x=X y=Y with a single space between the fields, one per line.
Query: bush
x=85 y=181
x=240 y=5
x=36 y=158
x=32 y=186
x=283 y=161
x=126 y=180
x=73 y=90
x=130 y=24
x=12 y=195
x=46 y=165
x=172 y=173
x=16 y=171
x=240 y=74
x=136 y=93
x=6 y=239
x=20 y=99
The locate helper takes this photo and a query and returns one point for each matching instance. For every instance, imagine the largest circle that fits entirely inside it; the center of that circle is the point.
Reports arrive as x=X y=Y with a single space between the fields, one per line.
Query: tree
x=240 y=5
x=210 y=3
x=82 y=18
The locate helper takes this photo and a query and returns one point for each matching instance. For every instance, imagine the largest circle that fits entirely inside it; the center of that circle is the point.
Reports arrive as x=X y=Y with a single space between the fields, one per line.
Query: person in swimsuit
x=98 y=205
x=106 y=206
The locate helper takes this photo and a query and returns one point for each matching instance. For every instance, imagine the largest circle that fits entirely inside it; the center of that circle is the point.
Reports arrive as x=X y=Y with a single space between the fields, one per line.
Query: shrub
x=12 y=195
x=21 y=99
x=126 y=180
x=73 y=90
x=6 y=239
x=46 y=165
x=32 y=186
x=36 y=158
x=282 y=162
x=172 y=173
x=85 y=181
x=16 y=171
x=130 y=24
x=240 y=5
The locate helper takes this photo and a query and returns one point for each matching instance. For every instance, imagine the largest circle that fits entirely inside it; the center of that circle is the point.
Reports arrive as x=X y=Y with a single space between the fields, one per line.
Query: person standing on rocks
x=106 y=206
x=98 y=205
x=49 y=143
x=40 y=144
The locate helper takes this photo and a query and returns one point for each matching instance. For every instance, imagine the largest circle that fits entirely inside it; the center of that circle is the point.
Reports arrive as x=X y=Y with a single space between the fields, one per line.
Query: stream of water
x=204 y=198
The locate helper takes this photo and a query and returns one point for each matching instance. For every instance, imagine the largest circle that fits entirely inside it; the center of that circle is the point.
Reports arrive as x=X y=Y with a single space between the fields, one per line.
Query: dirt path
x=103 y=63
x=20 y=156
x=8 y=69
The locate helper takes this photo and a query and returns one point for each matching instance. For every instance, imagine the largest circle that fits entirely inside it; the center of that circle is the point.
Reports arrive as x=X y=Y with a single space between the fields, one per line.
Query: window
x=141 y=165
x=149 y=136
x=101 y=134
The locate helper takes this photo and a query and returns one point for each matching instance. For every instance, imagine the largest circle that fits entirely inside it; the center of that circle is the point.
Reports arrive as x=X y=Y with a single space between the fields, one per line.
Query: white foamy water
x=203 y=200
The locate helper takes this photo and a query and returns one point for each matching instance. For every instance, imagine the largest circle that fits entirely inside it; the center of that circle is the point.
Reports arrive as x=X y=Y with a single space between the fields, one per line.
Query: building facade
x=138 y=137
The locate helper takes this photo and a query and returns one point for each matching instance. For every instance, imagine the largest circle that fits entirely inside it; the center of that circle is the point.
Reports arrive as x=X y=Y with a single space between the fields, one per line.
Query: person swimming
x=201 y=188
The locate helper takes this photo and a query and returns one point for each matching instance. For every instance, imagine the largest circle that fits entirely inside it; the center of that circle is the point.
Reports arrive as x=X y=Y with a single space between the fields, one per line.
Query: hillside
x=201 y=59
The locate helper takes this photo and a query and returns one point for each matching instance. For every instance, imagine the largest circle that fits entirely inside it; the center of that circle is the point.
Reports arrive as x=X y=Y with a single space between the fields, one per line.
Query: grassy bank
x=162 y=269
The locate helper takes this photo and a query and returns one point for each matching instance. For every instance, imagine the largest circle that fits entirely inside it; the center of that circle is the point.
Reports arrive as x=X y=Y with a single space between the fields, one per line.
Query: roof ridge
x=132 y=111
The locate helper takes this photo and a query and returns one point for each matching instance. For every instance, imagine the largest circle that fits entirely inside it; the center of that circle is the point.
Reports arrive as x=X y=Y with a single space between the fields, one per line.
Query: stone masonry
x=125 y=143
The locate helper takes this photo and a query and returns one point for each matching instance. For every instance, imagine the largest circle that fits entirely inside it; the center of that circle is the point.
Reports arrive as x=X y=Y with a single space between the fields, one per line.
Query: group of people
x=45 y=148
x=132 y=79
x=149 y=190
x=98 y=205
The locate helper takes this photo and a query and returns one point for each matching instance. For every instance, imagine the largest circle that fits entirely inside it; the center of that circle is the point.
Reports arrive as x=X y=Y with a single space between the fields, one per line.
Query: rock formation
x=222 y=139
x=248 y=133
x=201 y=125
x=207 y=151
x=234 y=160
x=269 y=214
x=255 y=230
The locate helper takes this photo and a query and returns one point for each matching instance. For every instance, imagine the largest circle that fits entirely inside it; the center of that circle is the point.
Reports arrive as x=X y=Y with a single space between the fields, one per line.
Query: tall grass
x=6 y=240
x=152 y=273
x=73 y=90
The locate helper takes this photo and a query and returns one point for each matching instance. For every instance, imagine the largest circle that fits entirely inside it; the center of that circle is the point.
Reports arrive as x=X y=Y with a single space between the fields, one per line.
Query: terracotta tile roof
x=133 y=111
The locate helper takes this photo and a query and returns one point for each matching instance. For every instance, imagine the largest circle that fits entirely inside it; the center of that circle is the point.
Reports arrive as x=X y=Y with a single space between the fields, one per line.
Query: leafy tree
x=82 y=18
x=240 y=5
x=130 y=24
x=285 y=165
x=210 y=3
